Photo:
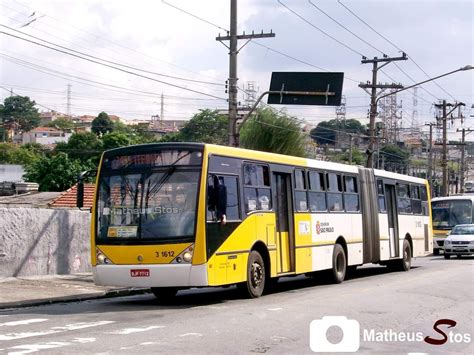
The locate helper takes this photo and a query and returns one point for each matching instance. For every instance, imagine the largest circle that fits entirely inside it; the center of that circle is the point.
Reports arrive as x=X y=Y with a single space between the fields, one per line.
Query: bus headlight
x=447 y=242
x=187 y=256
x=102 y=259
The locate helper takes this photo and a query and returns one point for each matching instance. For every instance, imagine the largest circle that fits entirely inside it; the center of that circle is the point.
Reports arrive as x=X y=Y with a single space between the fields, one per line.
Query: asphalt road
x=394 y=311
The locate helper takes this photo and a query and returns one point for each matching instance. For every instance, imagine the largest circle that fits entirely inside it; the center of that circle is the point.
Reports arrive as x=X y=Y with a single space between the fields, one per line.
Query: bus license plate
x=140 y=273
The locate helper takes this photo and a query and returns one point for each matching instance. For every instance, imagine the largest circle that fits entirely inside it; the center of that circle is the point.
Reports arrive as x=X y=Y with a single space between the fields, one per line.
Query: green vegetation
x=207 y=126
x=19 y=112
x=273 y=132
x=325 y=132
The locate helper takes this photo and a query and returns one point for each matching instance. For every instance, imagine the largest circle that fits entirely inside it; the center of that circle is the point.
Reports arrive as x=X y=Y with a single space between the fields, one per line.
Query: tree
x=207 y=126
x=20 y=112
x=55 y=173
x=22 y=155
x=273 y=132
x=82 y=146
x=326 y=131
x=395 y=158
x=358 y=158
x=62 y=123
x=115 y=140
x=102 y=124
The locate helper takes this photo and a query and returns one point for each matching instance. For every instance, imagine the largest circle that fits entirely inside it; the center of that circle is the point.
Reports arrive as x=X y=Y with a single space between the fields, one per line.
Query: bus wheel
x=164 y=294
x=404 y=263
x=255 y=283
x=436 y=252
x=339 y=264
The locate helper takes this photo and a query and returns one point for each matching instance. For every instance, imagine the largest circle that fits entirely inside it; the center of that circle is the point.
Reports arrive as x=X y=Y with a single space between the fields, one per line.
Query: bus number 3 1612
x=164 y=254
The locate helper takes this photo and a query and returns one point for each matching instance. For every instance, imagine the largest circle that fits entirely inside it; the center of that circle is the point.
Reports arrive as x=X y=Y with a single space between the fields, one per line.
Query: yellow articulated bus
x=172 y=216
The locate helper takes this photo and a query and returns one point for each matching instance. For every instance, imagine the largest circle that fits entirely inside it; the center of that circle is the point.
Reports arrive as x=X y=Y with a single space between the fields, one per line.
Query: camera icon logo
x=318 y=331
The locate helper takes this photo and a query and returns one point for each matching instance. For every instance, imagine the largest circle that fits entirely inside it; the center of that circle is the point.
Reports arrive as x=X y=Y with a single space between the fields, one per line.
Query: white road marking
x=54 y=330
x=135 y=330
x=275 y=309
x=148 y=343
x=191 y=335
x=23 y=322
x=84 y=340
x=31 y=348
x=83 y=325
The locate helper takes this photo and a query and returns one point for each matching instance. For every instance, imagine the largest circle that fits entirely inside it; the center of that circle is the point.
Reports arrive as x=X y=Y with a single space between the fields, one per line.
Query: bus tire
x=256 y=274
x=436 y=252
x=164 y=294
x=447 y=256
x=339 y=264
x=404 y=264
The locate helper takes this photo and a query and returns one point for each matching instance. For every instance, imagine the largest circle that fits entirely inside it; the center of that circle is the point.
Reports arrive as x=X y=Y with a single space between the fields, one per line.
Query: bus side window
x=316 y=193
x=257 y=190
x=351 y=194
x=415 y=200
x=424 y=201
x=300 y=191
x=381 y=196
x=403 y=198
x=334 y=194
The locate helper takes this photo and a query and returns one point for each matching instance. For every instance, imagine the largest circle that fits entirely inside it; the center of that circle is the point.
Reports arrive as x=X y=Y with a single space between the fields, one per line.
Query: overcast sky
x=155 y=37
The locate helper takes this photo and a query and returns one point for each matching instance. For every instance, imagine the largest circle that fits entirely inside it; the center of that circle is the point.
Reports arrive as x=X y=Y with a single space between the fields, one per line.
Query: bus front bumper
x=159 y=275
x=438 y=242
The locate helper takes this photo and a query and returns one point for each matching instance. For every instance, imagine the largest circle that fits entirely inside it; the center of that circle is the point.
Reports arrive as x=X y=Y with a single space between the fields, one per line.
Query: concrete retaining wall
x=36 y=241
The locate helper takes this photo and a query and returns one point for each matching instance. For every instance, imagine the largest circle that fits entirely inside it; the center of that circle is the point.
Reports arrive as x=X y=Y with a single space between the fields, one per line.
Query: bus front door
x=392 y=213
x=284 y=222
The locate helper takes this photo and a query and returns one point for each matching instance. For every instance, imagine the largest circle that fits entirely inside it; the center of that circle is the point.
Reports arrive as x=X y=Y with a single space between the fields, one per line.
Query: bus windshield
x=148 y=206
x=449 y=213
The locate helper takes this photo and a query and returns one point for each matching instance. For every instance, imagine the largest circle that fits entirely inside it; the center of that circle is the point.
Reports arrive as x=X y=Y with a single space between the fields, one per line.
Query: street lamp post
x=372 y=117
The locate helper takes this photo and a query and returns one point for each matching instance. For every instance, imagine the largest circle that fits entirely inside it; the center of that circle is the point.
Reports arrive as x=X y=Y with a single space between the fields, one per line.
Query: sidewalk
x=37 y=290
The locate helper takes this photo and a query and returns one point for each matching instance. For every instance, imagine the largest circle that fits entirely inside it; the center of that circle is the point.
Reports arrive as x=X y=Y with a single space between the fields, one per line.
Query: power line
x=256 y=43
x=110 y=66
x=320 y=30
x=393 y=44
x=84 y=81
x=96 y=36
x=112 y=62
x=366 y=42
x=195 y=16
x=344 y=27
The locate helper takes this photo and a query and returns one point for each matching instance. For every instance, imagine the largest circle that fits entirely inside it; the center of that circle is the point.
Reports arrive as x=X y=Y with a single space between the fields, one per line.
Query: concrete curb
x=121 y=292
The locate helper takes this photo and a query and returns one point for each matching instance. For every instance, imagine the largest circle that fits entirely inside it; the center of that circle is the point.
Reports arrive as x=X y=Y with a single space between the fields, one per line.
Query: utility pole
x=444 y=160
x=463 y=154
x=233 y=38
x=429 y=172
x=373 y=97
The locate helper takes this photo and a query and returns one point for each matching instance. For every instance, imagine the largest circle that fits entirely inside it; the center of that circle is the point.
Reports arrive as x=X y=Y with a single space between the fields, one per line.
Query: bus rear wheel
x=256 y=274
x=404 y=264
x=164 y=294
x=339 y=264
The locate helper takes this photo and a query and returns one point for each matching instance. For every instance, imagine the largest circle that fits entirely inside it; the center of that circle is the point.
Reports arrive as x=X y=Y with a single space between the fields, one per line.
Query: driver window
x=222 y=197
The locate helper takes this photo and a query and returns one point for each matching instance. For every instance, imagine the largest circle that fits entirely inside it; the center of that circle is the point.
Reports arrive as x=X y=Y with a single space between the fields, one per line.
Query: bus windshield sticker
x=252 y=205
x=303 y=228
x=123 y=232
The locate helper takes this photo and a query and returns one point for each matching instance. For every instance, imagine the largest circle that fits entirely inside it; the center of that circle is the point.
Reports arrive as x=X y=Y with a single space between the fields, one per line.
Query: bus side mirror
x=80 y=186
x=80 y=194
